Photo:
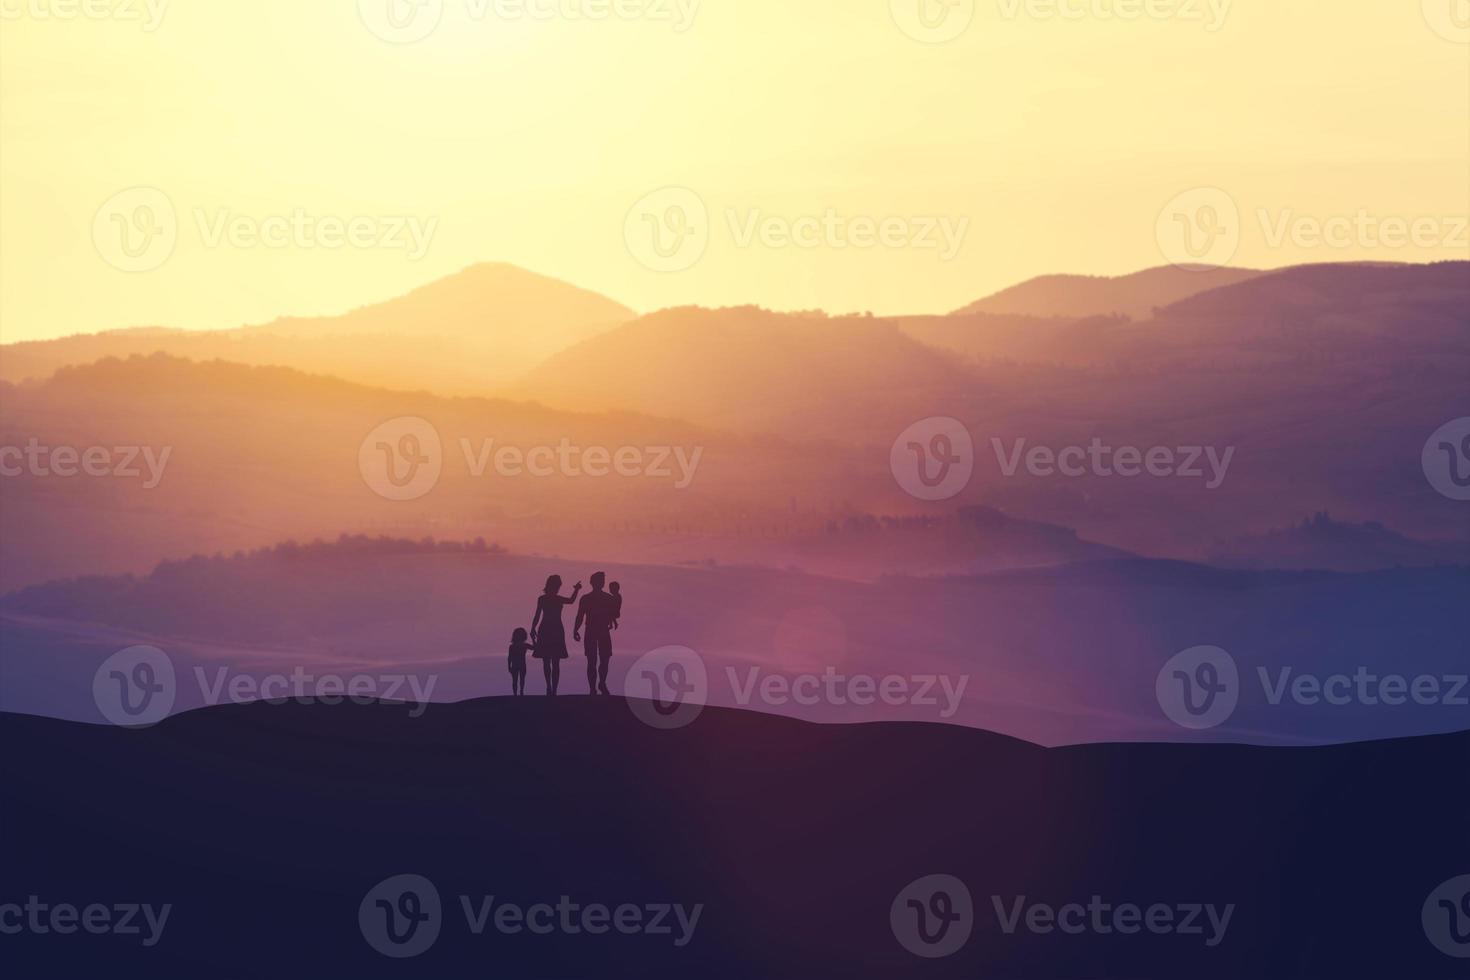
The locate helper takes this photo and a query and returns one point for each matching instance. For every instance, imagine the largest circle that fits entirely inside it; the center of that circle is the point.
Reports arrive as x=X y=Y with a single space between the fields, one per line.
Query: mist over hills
x=795 y=415
x=251 y=456
x=1372 y=357
x=1058 y=654
x=258 y=455
x=462 y=334
x=754 y=370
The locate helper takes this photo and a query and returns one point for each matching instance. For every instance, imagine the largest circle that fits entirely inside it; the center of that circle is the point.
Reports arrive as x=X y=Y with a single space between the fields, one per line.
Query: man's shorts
x=597 y=645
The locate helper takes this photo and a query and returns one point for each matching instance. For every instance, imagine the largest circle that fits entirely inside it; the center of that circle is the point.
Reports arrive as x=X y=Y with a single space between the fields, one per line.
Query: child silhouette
x=616 y=590
x=517 y=659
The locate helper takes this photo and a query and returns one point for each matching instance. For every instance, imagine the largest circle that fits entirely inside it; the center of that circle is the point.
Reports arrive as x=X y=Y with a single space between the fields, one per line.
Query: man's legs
x=589 y=646
x=604 y=658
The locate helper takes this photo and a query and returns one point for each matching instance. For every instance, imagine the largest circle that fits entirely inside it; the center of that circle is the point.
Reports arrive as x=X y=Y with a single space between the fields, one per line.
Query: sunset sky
x=1040 y=142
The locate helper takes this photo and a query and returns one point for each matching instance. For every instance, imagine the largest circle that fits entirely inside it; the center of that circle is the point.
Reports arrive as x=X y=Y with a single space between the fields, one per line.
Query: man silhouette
x=597 y=610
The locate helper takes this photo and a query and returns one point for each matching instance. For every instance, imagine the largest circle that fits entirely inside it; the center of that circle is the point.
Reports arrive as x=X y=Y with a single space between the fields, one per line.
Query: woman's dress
x=551 y=636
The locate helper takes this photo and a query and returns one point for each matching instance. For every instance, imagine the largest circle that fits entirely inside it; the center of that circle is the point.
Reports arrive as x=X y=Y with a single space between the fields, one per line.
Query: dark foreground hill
x=266 y=826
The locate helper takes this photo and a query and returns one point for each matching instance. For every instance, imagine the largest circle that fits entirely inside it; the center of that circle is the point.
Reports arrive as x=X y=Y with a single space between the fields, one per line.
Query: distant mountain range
x=1321 y=381
x=464 y=334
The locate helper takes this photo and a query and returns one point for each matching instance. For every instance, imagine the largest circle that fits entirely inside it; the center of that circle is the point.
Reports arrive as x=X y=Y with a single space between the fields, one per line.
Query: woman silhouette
x=548 y=633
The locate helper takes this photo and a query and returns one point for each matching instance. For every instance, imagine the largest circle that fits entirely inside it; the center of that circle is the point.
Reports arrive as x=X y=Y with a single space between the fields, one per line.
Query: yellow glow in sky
x=208 y=163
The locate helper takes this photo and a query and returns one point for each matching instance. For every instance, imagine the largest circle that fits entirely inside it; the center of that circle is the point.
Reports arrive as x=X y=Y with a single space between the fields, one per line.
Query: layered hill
x=751 y=369
x=1136 y=295
x=464 y=334
x=205 y=457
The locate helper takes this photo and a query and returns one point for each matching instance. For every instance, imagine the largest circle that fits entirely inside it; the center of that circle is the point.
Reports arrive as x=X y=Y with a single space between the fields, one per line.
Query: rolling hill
x=257 y=455
x=282 y=821
x=463 y=334
x=1136 y=295
x=848 y=378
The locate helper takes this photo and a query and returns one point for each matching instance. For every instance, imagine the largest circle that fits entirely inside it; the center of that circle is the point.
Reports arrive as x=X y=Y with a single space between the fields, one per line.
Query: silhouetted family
x=598 y=612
